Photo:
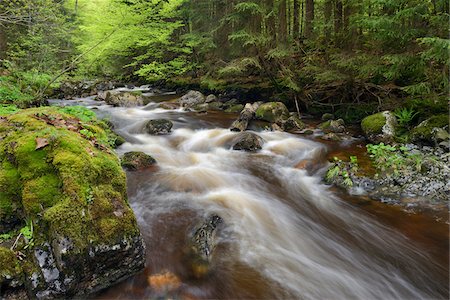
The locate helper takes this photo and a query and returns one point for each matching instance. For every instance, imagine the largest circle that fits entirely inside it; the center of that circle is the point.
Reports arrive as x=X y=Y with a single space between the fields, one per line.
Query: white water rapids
x=279 y=221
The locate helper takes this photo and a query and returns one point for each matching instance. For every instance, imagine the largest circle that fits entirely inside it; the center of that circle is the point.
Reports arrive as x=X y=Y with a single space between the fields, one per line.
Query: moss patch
x=373 y=124
x=424 y=131
x=272 y=112
x=9 y=266
x=68 y=182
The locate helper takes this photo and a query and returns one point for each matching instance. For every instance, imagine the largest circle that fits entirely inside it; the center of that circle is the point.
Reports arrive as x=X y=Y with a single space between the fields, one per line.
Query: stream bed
x=285 y=234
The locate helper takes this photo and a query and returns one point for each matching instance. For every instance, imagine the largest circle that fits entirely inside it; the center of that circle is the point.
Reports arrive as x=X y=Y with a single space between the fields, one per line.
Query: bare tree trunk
x=296 y=28
x=328 y=9
x=309 y=21
x=338 y=18
x=282 y=9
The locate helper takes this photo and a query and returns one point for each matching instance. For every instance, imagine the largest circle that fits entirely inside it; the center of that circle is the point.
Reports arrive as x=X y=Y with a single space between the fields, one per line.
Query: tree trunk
x=309 y=21
x=328 y=9
x=338 y=18
x=296 y=23
x=282 y=9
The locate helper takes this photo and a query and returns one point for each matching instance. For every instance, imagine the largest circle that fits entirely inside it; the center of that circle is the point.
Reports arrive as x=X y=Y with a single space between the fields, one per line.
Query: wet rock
x=423 y=133
x=104 y=86
x=235 y=108
x=191 y=99
x=201 y=108
x=137 y=161
x=158 y=127
x=72 y=89
x=202 y=245
x=380 y=127
x=245 y=117
x=211 y=98
x=216 y=106
x=247 y=141
x=230 y=103
x=124 y=99
x=293 y=123
x=333 y=126
x=273 y=112
x=331 y=137
x=81 y=235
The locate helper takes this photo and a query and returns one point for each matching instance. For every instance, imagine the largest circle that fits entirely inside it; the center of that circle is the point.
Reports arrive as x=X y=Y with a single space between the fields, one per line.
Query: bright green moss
x=71 y=186
x=272 y=112
x=41 y=193
x=373 y=124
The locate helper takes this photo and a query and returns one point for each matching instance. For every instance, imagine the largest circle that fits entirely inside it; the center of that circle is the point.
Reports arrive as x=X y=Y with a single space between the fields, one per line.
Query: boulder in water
x=137 y=161
x=293 y=124
x=124 y=99
x=158 y=127
x=273 y=112
x=211 y=98
x=61 y=181
x=248 y=141
x=192 y=98
x=202 y=245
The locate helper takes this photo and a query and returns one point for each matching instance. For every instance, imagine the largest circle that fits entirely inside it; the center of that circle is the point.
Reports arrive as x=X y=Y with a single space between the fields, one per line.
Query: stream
x=285 y=234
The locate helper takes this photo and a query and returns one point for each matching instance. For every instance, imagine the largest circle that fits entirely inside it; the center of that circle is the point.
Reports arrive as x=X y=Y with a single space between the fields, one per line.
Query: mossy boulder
x=11 y=273
x=425 y=131
x=380 y=127
x=137 y=161
x=333 y=126
x=60 y=175
x=123 y=99
x=158 y=127
x=293 y=123
x=235 y=108
x=273 y=112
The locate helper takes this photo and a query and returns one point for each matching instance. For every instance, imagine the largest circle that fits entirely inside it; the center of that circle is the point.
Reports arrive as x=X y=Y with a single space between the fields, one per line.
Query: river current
x=285 y=234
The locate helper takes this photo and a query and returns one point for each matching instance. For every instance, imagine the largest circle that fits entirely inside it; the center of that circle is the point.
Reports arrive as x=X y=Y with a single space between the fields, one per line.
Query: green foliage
x=341 y=172
x=394 y=159
x=7 y=109
x=405 y=116
x=27 y=232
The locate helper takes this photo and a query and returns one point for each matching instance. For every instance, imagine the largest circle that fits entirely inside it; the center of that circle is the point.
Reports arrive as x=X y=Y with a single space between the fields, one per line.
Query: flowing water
x=285 y=234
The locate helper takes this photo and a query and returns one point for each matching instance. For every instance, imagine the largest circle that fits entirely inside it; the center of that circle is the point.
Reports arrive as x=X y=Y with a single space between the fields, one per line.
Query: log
x=245 y=117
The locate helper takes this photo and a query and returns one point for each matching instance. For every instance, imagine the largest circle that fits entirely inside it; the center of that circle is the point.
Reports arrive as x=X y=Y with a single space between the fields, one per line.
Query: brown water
x=285 y=234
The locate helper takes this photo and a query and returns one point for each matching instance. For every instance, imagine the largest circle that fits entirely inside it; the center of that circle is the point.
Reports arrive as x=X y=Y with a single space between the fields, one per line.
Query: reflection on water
x=286 y=235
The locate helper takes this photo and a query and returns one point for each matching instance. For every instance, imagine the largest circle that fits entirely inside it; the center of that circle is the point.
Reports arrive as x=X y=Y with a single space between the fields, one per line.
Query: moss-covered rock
x=235 y=108
x=333 y=126
x=424 y=131
x=247 y=141
x=137 y=160
x=158 y=127
x=273 y=112
x=61 y=175
x=380 y=127
x=11 y=273
x=294 y=124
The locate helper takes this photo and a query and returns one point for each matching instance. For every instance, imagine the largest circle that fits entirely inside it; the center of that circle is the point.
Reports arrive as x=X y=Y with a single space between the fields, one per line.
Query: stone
x=124 y=99
x=235 y=108
x=293 y=123
x=216 y=106
x=273 y=112
x=247 y=141
x=158 y=127
x=202 y=245
x=333 y=126
x=137 y=161
x=81 y=234
x=211 y=98
x=380 y=127
x=423 y=133
x=191 y=99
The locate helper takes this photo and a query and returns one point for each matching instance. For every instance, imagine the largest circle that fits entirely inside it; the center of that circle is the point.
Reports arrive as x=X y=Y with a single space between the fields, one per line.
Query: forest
x=224 y=149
